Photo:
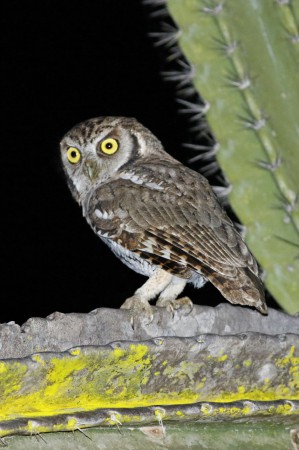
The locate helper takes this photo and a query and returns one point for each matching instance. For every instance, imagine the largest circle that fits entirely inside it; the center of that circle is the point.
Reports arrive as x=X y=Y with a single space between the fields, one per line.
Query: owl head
x=94 y=151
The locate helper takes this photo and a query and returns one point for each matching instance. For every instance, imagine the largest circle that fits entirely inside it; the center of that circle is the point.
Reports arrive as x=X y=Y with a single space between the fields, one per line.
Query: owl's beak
x=90 y=169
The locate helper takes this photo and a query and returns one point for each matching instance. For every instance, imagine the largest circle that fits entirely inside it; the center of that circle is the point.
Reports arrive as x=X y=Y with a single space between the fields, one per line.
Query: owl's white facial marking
x=99 y=150
x=92 y=153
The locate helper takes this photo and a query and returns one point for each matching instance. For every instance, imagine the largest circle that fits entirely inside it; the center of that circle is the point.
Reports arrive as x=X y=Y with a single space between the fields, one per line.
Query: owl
x=159 y=217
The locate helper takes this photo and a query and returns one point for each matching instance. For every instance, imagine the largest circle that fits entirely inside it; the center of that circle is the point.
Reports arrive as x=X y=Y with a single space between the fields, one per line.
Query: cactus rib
x=245 y=59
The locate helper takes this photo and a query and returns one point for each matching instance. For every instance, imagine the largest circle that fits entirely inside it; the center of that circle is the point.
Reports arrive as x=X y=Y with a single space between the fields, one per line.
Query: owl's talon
x=168 y=304
x=140 y=310
x=184 y=305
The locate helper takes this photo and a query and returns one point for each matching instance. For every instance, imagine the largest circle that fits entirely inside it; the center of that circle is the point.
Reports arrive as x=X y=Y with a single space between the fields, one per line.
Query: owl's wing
x=180 y=229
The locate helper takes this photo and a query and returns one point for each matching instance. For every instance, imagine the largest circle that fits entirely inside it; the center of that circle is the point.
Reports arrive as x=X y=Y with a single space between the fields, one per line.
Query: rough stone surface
x=59 y=332
x=80 y=370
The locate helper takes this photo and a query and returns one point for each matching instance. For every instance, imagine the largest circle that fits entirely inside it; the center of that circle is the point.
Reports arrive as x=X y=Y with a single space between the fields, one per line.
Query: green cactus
x=245 y=56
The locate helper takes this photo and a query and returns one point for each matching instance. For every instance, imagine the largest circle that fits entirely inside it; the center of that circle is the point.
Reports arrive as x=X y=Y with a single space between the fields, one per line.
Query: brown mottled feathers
x=174 y=220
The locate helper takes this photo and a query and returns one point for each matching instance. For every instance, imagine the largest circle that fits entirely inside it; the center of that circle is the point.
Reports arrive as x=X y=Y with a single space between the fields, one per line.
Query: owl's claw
x=184 y=305
x=140 y=310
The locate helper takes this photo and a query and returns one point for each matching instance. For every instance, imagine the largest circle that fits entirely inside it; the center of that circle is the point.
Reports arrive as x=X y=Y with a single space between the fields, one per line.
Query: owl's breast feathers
x=169 y=215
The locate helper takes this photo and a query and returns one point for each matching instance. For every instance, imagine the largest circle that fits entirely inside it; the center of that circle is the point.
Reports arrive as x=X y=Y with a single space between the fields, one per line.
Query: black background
x=64 y=62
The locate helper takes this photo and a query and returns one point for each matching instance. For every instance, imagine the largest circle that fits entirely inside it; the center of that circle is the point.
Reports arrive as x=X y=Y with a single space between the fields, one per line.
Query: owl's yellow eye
x=109 y=146
x=73 y=155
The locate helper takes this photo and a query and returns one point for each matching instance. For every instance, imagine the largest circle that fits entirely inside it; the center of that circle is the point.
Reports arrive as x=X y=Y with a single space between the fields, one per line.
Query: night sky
x=64 y=62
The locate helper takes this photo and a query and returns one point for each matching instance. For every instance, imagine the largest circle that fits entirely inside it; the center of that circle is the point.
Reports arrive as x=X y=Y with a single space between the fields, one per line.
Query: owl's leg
x=171 y=291
x=168 y=297
x=139 y=302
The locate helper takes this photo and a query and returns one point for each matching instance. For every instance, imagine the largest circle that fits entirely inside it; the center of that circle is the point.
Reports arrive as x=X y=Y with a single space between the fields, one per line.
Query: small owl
x=159 y=217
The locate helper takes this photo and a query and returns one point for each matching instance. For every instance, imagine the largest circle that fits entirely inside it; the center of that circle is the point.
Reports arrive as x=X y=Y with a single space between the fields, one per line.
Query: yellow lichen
x=118 y=378
x=247 y=362
x=222 y=358
x=75 y=351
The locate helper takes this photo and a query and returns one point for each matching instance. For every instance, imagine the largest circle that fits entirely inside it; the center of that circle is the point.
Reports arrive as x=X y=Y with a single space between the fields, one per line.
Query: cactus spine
x=245 y=56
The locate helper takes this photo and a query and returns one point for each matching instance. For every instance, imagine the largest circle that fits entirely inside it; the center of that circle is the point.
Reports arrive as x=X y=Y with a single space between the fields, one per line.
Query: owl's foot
x=140 y=310
x=184 y=305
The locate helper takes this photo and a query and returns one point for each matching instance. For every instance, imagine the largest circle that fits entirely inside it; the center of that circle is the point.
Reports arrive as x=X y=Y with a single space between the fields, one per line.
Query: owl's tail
x=245 y=289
